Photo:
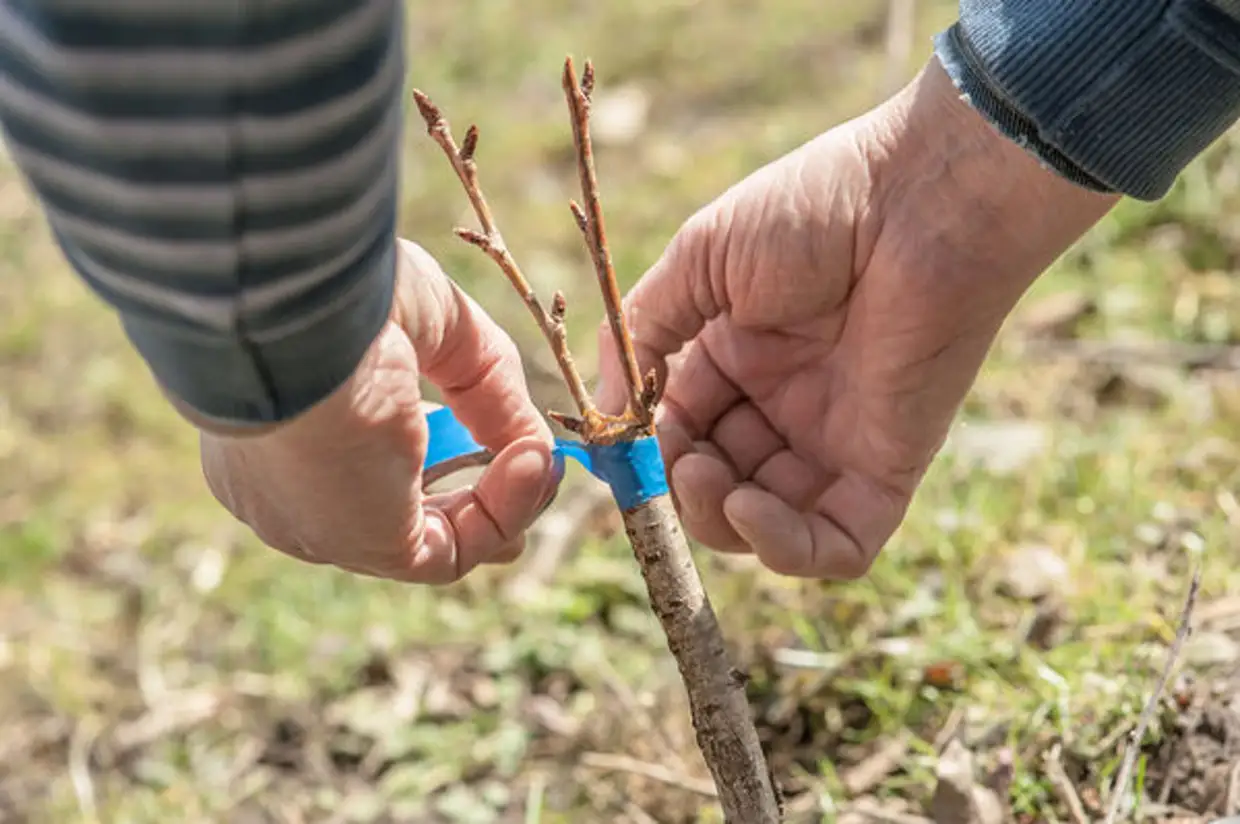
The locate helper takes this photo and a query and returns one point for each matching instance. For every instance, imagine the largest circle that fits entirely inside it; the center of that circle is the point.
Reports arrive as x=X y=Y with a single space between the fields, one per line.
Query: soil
x=1197 y=768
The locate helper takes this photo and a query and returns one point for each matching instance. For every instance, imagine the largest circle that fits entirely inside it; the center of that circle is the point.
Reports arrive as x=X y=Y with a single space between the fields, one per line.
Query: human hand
x=342 y=484
x=819 y=324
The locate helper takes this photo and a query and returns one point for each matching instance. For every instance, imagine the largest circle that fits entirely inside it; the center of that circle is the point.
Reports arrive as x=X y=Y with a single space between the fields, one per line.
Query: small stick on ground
x=716 y=690
x=1064 y=788
x=872 y=771
x=1134 y=741
x=1120 y=354
x=654 y=772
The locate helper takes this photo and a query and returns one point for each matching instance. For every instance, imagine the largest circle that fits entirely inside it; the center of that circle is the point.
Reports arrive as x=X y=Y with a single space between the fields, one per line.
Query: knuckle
x=783 y=563
x=507 y=352
x=850 y=562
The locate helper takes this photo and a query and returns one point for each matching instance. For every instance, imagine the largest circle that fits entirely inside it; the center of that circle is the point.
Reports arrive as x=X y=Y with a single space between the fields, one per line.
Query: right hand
x=820 y=323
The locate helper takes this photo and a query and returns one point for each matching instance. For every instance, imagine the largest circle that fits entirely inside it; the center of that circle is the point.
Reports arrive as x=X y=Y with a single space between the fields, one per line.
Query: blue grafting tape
x=449 y=438
x=633 y=469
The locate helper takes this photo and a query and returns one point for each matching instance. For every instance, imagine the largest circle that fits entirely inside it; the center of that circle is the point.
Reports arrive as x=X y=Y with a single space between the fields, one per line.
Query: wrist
x=994 y=204
x=342 y=397
x=213 y=426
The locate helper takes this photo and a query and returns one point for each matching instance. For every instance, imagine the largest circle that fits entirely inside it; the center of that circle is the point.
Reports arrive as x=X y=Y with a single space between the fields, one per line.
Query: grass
x=157 y=664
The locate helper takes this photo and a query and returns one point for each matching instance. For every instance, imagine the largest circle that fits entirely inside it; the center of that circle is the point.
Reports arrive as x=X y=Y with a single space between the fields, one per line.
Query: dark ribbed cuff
x=272 y=375
x=1114 y=95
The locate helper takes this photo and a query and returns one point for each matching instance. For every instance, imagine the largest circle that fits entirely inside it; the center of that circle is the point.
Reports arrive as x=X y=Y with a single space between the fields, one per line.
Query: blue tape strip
x=633 y=469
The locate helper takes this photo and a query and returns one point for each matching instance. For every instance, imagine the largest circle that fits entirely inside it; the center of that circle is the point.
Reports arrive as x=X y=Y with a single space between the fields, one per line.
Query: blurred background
x=157 y=664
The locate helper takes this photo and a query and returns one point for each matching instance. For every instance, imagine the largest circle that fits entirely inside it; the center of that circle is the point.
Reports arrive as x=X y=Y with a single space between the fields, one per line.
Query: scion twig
x=490 y=241
x=590 y=221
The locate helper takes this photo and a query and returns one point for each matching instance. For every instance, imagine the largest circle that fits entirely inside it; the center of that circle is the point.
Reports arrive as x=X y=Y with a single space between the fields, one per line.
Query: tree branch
x=718 y=703
x=590 y=221
x=490 y=241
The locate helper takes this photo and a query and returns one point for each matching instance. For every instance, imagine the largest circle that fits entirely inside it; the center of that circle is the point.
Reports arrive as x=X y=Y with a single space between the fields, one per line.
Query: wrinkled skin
x=342 y=484
x=820 y=323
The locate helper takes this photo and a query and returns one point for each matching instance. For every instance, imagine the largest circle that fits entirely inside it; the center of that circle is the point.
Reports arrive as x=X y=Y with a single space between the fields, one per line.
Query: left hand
x=342 y=483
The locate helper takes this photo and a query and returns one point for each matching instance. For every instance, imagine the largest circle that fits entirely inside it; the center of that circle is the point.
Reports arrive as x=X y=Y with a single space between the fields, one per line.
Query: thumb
x=464 y=352
x=667 y=307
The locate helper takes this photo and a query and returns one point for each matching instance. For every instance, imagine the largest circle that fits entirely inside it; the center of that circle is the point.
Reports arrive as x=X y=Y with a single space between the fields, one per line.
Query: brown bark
x=590 y=221
x=721 y=718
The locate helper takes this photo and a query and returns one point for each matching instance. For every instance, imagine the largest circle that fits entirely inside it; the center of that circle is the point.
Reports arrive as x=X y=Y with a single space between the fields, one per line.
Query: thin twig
x=590 y=221
x=1192 y=356
x=1233 y=791
x=632 y=707
x=638 y=815
x=1063 y=786
x=81 y=745
x=654 y=772
x=873 y=770
x=179 y=711
x=1134 y=741
x=490 y=241
x=870 y=811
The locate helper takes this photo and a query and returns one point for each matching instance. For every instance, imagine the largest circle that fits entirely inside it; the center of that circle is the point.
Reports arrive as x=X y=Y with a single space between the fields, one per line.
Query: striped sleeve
x=223 y=174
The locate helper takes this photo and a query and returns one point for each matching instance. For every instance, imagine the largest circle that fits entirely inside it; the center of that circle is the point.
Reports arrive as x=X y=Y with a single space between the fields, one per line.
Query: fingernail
x=554 y=478
x=534 y=461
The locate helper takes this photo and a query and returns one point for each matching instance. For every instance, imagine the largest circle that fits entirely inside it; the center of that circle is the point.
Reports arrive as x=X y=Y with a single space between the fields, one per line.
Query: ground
x=160 y=665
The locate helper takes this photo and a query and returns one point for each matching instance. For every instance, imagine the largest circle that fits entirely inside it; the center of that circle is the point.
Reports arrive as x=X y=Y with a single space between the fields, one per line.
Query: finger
x=791 y=478
x=667 y=307
x=698 y=392
x=508 y=553
x=470 y=526
x=702 y=483
x=674 y=439
x=869 y=511
x=838 y=540
x=465 y=353
x=745 y=435
x=711 y=451
x=791 y=543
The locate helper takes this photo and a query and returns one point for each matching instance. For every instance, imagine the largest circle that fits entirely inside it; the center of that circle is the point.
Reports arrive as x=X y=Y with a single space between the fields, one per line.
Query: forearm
x=1115 y=95
x=231 y=191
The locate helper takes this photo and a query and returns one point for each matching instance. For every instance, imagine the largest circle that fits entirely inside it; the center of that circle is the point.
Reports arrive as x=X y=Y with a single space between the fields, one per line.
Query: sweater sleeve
x=224 y=175
x=1115 y=95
